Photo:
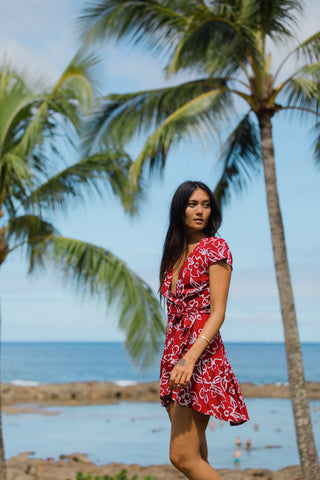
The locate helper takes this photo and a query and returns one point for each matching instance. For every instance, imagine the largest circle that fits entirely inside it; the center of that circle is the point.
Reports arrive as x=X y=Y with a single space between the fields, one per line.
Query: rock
x=85 y=393
x=13 y=473
x=246 y=474
x=20 y=476
x=22 y=457
x=262 y=473
x=79 y=457
x=289 y=473
x=23 y=467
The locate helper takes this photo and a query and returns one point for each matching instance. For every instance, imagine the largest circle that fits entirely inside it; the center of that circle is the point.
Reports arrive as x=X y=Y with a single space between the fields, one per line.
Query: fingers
x=181 y=374
x=177 y=385
x=179 y=379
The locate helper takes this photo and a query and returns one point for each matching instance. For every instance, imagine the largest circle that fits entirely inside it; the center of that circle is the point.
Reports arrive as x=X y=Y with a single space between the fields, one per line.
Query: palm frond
x=104 y=171
x=146 y=22
x=121 y=116
x=216 y=39
x=309 y=50
x=179 y=29
x=61 y=107
x=28 y=230
x=18 y=168
x=16 y=102
x=303 y=91
x=316 y=144
x=173 y=114
x=15 y=181
x=213 y=47
x=199 y=118
x=277 y=19
x=241 y=159
x=7 y=75
x=96 y=271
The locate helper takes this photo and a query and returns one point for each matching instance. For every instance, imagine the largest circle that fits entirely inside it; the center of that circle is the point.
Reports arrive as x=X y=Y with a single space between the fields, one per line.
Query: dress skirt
x=213 y=388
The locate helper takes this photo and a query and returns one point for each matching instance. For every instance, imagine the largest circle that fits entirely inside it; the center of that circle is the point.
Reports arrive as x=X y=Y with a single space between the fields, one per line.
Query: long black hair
x=176 y=239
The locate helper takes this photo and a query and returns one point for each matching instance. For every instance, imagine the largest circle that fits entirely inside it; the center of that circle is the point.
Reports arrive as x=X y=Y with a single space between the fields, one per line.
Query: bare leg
x=203 y=446
x=187 y=447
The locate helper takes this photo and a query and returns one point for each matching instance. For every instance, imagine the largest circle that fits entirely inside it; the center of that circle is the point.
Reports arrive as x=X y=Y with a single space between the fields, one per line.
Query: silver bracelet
x=205 y=338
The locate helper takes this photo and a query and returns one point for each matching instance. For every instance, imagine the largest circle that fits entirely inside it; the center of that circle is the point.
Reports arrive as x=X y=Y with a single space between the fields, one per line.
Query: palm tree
x=224 y=44
x=35 y=181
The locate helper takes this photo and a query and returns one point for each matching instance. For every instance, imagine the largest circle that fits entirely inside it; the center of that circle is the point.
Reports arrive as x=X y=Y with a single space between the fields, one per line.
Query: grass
x=122 y=475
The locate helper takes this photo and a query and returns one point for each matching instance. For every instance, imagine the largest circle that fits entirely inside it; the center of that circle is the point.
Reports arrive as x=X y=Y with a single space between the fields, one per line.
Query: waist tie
x=184 y=322
x=192 y=315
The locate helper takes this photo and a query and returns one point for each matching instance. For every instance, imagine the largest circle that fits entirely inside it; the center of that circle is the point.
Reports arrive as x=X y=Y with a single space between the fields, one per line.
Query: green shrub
x=122 y=475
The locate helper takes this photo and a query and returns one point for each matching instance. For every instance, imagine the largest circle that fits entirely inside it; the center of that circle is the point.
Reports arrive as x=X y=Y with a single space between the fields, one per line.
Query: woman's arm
x=219 y=278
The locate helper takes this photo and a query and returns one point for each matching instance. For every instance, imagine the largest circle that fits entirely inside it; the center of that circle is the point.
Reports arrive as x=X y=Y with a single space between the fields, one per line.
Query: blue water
x=140 y=432
x=65 y=362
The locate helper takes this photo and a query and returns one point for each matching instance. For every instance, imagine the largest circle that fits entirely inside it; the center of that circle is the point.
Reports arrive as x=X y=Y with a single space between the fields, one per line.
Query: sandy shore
x=23 y=467
x=95 y=393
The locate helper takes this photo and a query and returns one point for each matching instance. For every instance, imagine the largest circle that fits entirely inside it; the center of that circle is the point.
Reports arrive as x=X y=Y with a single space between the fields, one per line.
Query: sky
x=39 y=38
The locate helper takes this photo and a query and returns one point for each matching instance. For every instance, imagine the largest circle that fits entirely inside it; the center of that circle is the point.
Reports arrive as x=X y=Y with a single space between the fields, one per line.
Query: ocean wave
x=125 y=383
x=24 y=383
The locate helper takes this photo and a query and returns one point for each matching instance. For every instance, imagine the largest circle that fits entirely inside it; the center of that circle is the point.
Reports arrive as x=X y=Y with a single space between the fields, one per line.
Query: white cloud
x=310 y=20
x=39 y=37
x=308 y=24
x=25 y=61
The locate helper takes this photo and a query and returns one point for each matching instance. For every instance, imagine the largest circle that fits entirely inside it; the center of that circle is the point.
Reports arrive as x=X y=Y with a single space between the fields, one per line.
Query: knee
x=180 y=460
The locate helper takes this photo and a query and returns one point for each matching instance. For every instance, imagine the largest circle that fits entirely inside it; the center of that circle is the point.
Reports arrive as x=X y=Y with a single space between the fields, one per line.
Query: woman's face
x=198 y=211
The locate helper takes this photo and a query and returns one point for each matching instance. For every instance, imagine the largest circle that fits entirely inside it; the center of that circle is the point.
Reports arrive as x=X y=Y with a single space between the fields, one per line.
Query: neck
x=195 y=237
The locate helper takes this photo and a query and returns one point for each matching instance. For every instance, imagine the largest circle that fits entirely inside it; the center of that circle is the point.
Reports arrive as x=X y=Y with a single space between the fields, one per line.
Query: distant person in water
x=196 y=380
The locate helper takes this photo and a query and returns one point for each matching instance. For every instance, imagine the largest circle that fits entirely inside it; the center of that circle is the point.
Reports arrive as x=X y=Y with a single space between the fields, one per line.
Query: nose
x=199 y=209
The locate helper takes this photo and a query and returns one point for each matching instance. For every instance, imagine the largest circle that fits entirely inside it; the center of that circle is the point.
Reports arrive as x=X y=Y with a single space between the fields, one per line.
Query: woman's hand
x=181 y=374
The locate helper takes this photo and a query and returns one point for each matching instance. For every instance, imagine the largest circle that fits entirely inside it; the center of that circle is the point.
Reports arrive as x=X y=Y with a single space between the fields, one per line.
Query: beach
x=83 y=407
x=23 y=467
x=95 y=393
x=85 y=401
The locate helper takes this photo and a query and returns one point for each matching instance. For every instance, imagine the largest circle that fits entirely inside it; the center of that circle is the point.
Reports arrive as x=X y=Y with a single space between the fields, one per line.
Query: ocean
x=139 y=432
x=257 y=363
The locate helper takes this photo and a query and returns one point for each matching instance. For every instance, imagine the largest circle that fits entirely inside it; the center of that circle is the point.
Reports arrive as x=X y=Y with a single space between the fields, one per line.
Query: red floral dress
x=213 y=388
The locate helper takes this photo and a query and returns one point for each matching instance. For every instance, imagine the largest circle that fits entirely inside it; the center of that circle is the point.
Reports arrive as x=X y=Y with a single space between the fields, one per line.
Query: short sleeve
x=218 y=249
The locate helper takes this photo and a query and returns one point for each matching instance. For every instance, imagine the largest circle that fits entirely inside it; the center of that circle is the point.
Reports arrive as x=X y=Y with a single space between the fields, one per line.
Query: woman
x=196 y=379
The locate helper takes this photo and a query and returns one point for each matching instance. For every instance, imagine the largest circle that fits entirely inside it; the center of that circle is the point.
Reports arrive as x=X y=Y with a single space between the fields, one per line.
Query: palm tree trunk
x=3 y=469
x=305 y=439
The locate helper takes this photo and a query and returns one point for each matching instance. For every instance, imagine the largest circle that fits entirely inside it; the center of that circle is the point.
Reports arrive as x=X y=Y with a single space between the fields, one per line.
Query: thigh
x=187 y=429
x=170 y=409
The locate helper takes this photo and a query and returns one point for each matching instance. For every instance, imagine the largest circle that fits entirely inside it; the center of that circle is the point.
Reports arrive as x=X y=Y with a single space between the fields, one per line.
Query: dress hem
x=165 y=401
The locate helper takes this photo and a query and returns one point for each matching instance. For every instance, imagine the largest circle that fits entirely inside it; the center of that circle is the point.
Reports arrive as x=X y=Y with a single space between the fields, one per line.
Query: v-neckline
x=181 y=269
